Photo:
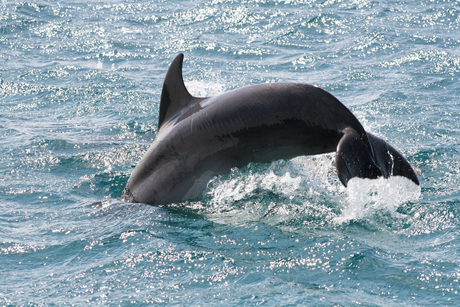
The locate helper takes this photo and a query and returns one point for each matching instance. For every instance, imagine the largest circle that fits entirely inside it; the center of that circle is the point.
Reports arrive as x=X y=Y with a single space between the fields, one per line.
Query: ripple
x=80 y=87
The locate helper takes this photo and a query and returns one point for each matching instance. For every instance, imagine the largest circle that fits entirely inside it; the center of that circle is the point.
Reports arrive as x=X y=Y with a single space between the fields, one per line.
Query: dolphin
x=199 y=138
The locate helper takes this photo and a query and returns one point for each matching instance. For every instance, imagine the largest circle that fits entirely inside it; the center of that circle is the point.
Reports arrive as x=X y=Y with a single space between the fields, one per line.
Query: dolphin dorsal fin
x=174 y=96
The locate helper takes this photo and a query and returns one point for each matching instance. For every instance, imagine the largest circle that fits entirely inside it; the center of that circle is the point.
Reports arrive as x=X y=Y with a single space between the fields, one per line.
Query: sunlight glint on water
x=80 y=88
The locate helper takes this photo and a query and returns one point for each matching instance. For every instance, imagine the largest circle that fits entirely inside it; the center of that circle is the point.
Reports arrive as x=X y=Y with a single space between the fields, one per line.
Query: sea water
x=80 y=85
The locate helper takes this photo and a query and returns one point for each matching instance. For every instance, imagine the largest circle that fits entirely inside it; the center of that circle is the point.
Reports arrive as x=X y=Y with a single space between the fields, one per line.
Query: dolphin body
x=199 y=138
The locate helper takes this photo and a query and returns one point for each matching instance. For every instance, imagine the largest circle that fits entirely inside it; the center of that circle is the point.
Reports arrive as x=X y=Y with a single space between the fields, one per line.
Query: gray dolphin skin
x=199 y=138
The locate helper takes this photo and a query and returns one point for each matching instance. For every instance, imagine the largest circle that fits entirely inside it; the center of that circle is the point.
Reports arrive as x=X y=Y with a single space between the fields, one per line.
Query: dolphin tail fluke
x=369 y=157
x=395 y=162
x=354 y=158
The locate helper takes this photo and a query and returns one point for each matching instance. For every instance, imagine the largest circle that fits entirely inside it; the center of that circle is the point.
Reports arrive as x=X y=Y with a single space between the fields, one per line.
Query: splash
x=302 y=191
x=199 y=88
x=246 y=195
x=283 y=192
x=280 y=181
x=367 y=197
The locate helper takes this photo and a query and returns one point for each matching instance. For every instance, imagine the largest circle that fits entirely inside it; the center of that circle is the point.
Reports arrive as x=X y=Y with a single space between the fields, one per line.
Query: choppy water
x=80 y=84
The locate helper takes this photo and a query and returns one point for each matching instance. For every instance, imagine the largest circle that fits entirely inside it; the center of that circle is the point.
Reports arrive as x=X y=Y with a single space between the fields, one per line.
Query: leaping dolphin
x=199 y=138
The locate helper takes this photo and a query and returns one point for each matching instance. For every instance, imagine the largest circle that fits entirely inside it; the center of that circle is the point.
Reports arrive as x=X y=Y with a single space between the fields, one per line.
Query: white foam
x=226 y=192
x=366 y=197
x=304 y=188
x=202 y=88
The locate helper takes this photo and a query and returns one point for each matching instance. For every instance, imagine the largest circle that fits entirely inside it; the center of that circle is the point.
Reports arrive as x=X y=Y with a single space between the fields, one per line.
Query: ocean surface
x=80 y=85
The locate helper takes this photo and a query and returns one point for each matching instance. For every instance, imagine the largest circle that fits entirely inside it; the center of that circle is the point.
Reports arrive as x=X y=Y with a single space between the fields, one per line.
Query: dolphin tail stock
x=369 y=157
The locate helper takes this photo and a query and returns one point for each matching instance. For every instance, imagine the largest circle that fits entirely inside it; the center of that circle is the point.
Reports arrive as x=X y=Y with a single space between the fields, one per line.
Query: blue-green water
x=80 y=85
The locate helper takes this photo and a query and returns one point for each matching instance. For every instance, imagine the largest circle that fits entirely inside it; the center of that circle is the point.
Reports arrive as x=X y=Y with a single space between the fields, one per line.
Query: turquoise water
x=80 y=85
